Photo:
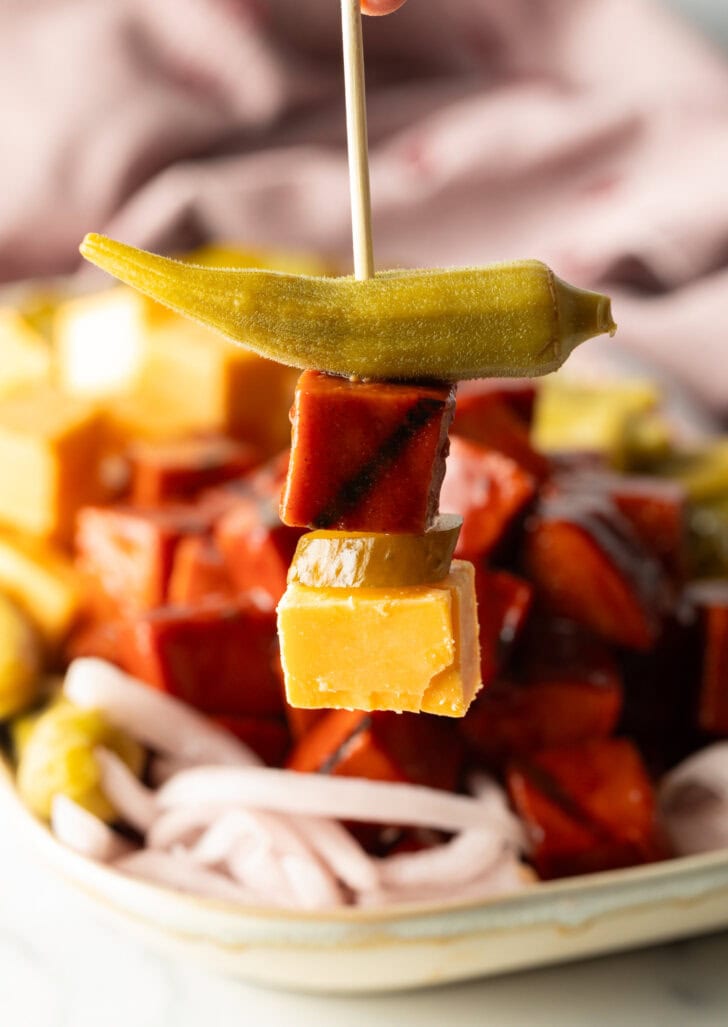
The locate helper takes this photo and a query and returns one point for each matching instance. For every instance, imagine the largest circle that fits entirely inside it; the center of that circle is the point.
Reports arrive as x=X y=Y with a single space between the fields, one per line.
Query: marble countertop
x=62 y=967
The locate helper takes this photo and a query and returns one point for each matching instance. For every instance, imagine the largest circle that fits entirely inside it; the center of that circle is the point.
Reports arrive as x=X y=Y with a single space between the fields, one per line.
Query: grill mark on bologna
x=555 y=793
x=340 y=753
x=356 y=488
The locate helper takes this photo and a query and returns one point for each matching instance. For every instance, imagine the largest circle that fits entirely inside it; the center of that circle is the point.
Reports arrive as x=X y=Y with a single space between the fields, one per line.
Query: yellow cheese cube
x=50 y=460
x=25 y=357
x=217 y=386
x=382 y=648
x=223 y=254
x=42 y=581
x=142 y=417
x=610 y=419
x=100 y=342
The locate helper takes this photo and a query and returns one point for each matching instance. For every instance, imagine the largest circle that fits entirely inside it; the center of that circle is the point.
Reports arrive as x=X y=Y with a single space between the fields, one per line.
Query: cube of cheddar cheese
x=216 y=386
x=99 y=341
x=41 y=580
x=25 y=357
x=413 y=649
x=51 y=449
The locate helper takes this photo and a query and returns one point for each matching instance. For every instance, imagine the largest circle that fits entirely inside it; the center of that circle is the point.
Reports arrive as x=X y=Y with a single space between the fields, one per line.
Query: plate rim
x=683 y=878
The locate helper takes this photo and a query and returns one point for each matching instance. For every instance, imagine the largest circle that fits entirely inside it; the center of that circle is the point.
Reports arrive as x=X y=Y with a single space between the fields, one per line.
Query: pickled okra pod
x=509 y=319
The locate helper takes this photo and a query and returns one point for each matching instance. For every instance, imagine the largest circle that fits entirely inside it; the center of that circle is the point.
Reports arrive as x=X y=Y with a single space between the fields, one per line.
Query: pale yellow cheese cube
x=612 y=419
x=215 y=385
x=404 y=649
x=42 y=581
x=100 y=342
x=25 y=357
x=51 y=447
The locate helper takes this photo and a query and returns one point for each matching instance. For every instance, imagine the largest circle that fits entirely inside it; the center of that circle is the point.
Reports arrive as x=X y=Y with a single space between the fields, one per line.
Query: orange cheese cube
x=51 y=448
x=400 y=649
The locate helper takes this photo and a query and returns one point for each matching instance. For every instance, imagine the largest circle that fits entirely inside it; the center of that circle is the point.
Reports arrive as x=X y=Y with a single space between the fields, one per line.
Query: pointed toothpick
x=356 y=131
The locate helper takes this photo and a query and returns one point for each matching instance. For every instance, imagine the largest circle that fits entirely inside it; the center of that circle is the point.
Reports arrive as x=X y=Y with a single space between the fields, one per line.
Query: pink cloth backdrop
x=590 y=133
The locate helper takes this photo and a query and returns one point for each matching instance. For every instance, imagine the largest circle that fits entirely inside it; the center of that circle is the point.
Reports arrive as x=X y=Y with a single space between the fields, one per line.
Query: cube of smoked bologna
x=51 y=448
x=513 y=718
x=475 y=398
x=100 y=639
x=587 y=807
x=488 y=490
x=655 y=508
x=413 y=649
x=492 y=419
x=565 y=688
x=366 y=455
x=166 y=471
x=267 y=736
x=661 y=688
x=587 y=565
x=199 y=572
x=127 y=553
x=504 y=601
x=710 y=600
x=382 y=746
x=256 y=546
x=217 y=656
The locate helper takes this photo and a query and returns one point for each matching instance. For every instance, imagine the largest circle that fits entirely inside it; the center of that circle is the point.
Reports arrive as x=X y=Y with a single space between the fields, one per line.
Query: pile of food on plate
x=379 y=666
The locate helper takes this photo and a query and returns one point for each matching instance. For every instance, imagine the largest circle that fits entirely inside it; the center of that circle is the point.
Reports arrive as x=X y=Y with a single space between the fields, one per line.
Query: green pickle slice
x=341 y=559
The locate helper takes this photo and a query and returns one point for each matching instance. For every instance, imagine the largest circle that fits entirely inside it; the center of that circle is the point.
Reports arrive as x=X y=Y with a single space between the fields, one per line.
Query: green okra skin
x=509 y=319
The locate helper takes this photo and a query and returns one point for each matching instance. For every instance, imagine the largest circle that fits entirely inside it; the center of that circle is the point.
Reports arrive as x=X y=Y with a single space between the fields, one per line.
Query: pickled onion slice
x=693 y=801
x=315 y=794
x=159 y=721
x=84 y=833
x=134 y=804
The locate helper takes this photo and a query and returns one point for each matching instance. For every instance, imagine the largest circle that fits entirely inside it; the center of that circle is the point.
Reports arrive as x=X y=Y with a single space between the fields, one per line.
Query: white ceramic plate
x=415 y=946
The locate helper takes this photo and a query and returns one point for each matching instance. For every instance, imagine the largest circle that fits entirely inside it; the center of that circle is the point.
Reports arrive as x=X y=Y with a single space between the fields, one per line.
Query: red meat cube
x=503 y=605
x=486 y=416
x=265 y=483
x=101 y=639
x=587 y=565
x=488 y=490
x=199 y=572
x=300 y=722
x=366 y=455
x=654 y=507
x=217 y=656
x=587 y=807
x=710 y=599
x=266 y=736
x=518 y=394
x=256 y=546
x=127 y=553
x=565 y=688
x=381 y=746
x=164 y=471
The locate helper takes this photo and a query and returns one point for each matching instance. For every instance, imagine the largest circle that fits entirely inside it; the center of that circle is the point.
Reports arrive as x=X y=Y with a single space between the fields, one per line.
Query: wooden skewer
x=356 y=132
